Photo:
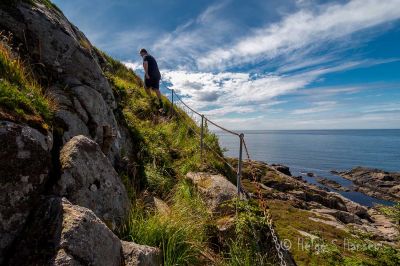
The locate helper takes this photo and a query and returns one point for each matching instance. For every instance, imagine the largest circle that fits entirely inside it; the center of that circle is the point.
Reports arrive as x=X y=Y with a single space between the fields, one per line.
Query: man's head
x=143 y=52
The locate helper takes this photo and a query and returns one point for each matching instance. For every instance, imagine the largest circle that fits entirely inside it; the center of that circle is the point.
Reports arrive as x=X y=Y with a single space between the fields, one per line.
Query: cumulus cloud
x=204 y=59
x=240 y=89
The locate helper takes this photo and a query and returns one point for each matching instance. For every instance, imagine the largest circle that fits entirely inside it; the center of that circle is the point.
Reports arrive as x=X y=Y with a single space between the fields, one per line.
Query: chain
x=261 y=201
x=265 y=210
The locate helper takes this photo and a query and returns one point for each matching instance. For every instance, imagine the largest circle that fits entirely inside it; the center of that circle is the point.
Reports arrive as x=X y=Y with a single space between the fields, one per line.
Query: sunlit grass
x=180 y=232
x=21 y=96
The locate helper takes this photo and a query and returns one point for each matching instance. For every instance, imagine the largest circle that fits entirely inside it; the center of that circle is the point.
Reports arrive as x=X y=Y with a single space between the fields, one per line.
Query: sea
x=321 y=151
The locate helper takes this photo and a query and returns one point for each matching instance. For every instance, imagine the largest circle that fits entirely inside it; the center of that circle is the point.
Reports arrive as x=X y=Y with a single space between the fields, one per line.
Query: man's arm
x=146 y=69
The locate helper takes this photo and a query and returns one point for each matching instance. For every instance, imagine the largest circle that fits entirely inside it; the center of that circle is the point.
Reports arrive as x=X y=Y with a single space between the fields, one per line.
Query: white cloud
x=135 y=66
x=180 y=48
x=195 y=67
x=318 y=107
x=240 y=89
x=301 y=29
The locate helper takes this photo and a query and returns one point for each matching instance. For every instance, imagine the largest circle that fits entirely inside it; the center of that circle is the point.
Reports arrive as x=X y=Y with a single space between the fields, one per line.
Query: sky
x=261 y=64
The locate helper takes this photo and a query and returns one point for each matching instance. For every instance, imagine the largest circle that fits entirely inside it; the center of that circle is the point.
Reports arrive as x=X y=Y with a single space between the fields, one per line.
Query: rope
x=220 y=127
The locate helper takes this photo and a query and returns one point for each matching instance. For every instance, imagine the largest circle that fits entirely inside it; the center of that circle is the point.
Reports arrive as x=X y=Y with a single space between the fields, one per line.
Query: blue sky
x=262 y=64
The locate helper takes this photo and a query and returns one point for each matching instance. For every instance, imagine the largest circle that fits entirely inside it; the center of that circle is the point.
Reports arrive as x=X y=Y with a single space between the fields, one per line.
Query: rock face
x=65 y=234
x=89 y=180
x=216 y=190
x=374 y=182
x=71 y=67
x=24 y=169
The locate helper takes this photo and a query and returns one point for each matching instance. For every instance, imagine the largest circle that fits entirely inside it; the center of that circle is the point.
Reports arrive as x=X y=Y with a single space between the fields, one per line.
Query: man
x=152 y=76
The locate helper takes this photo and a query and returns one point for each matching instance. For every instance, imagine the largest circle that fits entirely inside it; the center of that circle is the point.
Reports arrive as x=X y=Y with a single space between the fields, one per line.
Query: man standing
x=152 y=76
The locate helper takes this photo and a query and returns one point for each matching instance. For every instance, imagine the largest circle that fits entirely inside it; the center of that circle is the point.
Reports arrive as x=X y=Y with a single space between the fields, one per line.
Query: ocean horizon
x=320 y=151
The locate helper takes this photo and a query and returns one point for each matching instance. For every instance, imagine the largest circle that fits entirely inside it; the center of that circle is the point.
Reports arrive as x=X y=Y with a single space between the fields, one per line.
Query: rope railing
x=242 y=146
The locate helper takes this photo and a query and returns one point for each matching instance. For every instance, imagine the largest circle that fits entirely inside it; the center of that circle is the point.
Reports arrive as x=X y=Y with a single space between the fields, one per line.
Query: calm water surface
x=320 y=151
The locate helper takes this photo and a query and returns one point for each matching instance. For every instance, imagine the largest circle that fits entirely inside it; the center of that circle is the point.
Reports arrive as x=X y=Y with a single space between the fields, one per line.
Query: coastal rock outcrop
x=282 y=168
x=374 y=182
x=89 y=180
x=25 y=164
x=331 y=208
x=332 y=184
x=65 y=58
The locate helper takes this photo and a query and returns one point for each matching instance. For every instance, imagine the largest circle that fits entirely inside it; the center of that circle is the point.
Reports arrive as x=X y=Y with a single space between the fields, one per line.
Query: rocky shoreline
x=329 y=207
x=374 y=182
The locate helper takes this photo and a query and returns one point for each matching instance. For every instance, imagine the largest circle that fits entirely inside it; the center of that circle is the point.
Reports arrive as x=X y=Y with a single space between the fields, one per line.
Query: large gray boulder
x=215 y=189
x=24 y=169
x=63 y=55
x=89 y=180
x=65 y=234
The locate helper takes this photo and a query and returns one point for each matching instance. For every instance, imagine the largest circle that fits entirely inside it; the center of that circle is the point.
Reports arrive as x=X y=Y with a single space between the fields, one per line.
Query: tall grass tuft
x=179 y=232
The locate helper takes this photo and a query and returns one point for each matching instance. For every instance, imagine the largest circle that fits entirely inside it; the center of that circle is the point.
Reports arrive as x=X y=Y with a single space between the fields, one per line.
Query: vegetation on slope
x=21 y=96
x=167 y=146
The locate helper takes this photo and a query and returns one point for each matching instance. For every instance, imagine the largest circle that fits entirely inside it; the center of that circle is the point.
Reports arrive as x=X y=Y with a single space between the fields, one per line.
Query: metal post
x=172 y=102
x=239 y=172
x=201 y=138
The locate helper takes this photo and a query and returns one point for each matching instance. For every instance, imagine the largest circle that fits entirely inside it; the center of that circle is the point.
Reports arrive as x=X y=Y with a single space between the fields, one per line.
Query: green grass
x=21 y=97
x=180 y=232
x=167 y=147
x=248 y=246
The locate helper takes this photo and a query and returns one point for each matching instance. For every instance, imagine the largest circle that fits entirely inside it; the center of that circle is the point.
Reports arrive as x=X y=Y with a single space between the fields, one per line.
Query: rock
x=282 y=168
x=299 y=178
x=216 y=190
x=333 y=223
x=62 y=54
x=89 y=180
x=344 y=217
x=332 y=184
x=353 y=207
x=140 y=255
x=24 y=169
x=310 y=174
x=161 y=206
x=388 y=230
x=374 y=182
x=65 y=234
